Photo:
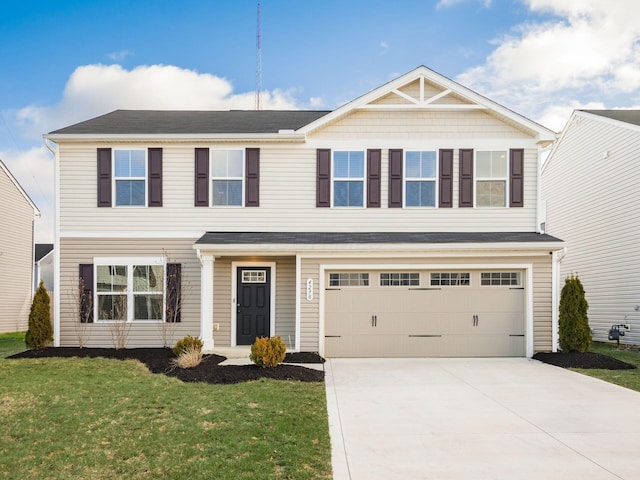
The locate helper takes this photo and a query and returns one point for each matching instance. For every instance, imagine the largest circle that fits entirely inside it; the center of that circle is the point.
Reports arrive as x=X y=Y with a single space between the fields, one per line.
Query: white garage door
x=463 y=313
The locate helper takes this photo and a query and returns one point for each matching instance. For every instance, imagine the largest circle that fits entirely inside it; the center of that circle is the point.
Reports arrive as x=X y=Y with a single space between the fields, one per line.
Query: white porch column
x=206 y=301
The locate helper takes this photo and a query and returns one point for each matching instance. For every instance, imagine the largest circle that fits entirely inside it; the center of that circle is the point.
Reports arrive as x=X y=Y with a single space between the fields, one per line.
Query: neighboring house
x=43 y=266
x=590 y=185
x=404 y=223
x=17 y=215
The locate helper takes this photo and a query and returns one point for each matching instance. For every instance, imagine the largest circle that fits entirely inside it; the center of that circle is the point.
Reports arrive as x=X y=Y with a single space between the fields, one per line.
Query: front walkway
x=478 y=419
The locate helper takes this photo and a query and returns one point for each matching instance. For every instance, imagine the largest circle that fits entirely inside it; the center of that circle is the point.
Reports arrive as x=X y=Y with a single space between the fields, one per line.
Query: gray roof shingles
x=230 y=238
x=627 y=116
x=123 y=122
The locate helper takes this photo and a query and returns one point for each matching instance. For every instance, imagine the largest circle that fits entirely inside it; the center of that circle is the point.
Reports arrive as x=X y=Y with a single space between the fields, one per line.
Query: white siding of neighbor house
x=594 y=206
x=542 y=331
x=288 y=182
x=16 y=256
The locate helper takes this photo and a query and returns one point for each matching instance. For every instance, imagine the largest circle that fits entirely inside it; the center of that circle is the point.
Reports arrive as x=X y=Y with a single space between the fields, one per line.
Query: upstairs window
x=491 y=178
x=227 y=174
x=420 y=179
x=348 y=179
x=130 y=177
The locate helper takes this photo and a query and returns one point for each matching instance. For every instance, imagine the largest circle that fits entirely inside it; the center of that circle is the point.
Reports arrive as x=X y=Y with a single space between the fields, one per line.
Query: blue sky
x=70 y=60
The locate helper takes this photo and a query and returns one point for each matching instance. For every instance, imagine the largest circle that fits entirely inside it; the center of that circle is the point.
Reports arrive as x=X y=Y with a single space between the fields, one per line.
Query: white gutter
x=284 y=136
x=56 y=241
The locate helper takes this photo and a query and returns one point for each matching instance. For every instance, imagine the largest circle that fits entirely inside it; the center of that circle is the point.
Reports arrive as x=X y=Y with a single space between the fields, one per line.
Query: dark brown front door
x=253 y=305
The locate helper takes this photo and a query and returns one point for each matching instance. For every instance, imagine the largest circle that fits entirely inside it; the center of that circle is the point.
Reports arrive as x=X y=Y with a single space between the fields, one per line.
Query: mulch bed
x=583 y=360
x=158 y=360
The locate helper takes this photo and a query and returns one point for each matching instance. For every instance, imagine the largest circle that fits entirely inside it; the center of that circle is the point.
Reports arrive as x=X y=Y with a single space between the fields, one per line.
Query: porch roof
x=337 y=238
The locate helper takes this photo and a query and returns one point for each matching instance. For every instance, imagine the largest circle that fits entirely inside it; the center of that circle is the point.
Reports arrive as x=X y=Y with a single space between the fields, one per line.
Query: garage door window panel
x=405 y=279
x=450 y=279
x=503 y=279
x=349 y=279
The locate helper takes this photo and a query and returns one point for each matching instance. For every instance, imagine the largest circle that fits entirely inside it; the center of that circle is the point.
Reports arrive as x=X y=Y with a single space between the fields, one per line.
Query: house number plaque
x=309 y=289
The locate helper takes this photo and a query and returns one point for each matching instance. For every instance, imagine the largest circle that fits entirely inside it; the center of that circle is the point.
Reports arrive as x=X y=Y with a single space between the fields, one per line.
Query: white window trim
x=114 y=178
x=129 y=262
x=241 y=178
x=406 y=179
x=349 y=179
x=477 y=179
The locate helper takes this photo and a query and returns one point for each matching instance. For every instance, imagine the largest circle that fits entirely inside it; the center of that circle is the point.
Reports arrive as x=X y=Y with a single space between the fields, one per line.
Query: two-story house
x=404 y=223
x=17 y=217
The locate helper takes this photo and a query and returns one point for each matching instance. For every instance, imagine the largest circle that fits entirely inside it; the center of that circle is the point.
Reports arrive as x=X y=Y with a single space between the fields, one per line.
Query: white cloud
x=94 y=90
x=384 y=47
x=451 y=3
x=119 y=56
x=588 y=50
x=97 y=89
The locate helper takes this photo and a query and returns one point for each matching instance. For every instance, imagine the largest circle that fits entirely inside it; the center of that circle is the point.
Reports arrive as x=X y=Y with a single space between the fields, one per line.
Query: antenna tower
x=258 y=66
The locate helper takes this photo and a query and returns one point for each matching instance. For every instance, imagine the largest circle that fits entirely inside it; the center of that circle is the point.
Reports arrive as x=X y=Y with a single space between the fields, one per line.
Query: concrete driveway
x=478 y=419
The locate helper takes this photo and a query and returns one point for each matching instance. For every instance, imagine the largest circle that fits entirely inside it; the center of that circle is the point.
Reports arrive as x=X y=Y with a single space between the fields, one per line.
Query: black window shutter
x=446 y=179
x=395 y=178
x=516 y=169
x=104 y=177
x=86 y=292
x=374 y=165
x=252 y=177
x=323 y=177
x=466 y=177
x=201 y=194
x=155 y=177
x=174 y=292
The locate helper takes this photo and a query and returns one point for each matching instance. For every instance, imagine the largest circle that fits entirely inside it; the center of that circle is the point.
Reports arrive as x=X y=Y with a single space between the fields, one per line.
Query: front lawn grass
x=624 y=378
x=104 y=419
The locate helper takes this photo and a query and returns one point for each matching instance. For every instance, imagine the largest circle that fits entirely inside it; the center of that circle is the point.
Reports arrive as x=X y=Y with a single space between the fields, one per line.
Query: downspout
x=557 y=257
x=541 y=211
x=56 y=242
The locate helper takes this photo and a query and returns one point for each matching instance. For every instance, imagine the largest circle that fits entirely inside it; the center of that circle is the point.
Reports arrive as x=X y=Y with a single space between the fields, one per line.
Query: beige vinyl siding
x=222 y=279
x=310 y=310
x=16 y=256
x=402 y=126
x=74 y=252
x=287 y=198
x=594 y=206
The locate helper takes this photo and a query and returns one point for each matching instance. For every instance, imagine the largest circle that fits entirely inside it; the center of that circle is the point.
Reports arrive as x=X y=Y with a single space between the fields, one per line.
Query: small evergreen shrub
x=187 y=343
x=40 y=332
x=573 y=322
x=189 y=358
x=268 y=352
